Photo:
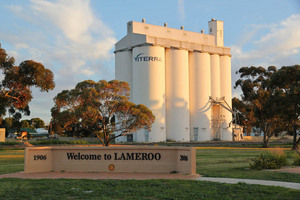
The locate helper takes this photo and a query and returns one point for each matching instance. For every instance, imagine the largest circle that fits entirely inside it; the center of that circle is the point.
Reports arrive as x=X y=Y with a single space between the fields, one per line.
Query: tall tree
x=40 y=124
x=286 y=82
x=25 y=124
x=7 y=123
x=15 y=88
x=244 y=115
x=257 y=94
x=37 y=123
x=93 y=106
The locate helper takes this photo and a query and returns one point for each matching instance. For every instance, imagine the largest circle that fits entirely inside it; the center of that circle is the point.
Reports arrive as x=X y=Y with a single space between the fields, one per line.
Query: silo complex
x=183 y=77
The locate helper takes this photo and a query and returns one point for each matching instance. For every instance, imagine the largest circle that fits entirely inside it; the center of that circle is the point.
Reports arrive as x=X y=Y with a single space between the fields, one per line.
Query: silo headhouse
x=183 y=77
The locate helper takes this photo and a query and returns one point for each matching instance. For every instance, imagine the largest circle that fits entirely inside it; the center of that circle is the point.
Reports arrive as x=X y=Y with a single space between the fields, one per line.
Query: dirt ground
x=81 y=175
x=295 y=170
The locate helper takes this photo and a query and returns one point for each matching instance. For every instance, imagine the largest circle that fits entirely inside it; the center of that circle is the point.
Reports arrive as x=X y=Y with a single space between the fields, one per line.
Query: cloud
x=264 y=45
x=87 y=72
x=283 y=39
x=73 y=19
x=279 y=45
x=66 y=36
x=15 y=8
x=69 y=34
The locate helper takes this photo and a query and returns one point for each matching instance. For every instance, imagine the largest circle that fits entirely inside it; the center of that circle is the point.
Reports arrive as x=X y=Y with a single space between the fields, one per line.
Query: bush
x=10 y=143
x=50 y=141
x=272 y=160
x=296 y=156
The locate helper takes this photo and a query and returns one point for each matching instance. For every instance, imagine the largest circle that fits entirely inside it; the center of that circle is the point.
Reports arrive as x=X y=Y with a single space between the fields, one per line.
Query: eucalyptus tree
x=15 y=87
x=244 y=115
x=257 y=94
x=286 y=83
x=103 y=108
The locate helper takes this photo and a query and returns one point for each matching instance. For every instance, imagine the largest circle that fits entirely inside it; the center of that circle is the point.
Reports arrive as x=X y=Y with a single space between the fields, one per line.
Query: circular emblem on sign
x=111 y=167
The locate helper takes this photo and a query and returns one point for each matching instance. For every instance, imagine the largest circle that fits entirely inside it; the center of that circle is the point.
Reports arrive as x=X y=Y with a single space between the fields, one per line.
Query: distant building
x=183 y=77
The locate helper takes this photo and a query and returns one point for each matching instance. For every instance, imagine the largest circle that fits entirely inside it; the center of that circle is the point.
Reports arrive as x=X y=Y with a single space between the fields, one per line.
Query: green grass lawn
x=210 y=162
x=234 y=163
x=11 y=161
x=137 y=189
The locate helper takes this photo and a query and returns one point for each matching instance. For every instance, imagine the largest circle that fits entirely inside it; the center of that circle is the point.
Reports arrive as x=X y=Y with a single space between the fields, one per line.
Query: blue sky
x=75 y=38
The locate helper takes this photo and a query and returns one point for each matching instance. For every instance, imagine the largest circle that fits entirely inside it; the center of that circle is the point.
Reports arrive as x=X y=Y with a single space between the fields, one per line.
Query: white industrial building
x=183 y=77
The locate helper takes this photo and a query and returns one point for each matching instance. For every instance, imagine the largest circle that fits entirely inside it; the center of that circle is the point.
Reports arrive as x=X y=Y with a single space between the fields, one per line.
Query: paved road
x=252 y=181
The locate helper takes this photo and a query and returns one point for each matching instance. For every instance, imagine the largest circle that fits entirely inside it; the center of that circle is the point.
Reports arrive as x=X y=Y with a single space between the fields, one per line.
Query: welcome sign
x=140 y=159
x=122 y=156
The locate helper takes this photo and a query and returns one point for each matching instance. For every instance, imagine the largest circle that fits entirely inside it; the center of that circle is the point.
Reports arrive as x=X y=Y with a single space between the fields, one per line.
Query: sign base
x=130 y=159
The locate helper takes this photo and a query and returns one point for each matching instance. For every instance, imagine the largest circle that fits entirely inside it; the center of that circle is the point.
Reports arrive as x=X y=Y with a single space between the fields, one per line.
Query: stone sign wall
x=140 y=159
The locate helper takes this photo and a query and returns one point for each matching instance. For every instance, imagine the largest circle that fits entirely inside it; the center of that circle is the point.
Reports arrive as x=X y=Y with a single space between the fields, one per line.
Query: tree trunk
x=106 y=139
x=295 y=143
x=266 y=143
x=266 y=138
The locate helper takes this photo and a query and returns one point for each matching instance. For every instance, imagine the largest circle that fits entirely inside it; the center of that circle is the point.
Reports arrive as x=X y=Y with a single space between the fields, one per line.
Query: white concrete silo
x=215 y=75
x=123 y=71
x=177 y=95
x=200 y=91
x=225 y=81
x=216 y=120
x=148 y=73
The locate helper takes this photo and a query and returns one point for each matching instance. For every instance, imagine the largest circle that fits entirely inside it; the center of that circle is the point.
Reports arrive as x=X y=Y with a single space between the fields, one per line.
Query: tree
x=15 y=88
x=25 y=124
x=257 y=95
x=244 y=115
x=55 y=127
x=40 y=124
x=93 y=106
x=7 y=123
x=37 y=123
x=286 y=82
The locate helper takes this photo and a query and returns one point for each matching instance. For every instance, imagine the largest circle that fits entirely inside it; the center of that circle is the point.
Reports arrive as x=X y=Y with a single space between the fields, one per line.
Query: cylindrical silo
x=200 y=90
x=149 y=88
x=215 y=76
x=123 y=69
x=177 y=95
x=216 y=120
x=225 y=81
x=123 y=72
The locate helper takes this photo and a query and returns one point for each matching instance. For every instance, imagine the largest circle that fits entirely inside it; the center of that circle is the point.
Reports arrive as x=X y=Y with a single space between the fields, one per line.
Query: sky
x=75 y=38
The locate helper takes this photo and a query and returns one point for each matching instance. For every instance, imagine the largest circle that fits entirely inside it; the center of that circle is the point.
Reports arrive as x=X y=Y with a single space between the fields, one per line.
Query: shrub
x=10 y=143
x=49 y=142
x=78 y=142
x=275 y=159
x=296 y=159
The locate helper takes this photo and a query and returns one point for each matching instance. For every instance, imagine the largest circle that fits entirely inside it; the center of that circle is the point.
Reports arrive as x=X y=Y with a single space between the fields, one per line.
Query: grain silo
x=183 y=77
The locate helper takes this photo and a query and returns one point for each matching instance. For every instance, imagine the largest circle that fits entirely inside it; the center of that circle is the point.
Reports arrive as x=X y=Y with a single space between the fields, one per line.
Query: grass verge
x=234 y=163
x=11 y=161
x=133 y=189
x=229 y=163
